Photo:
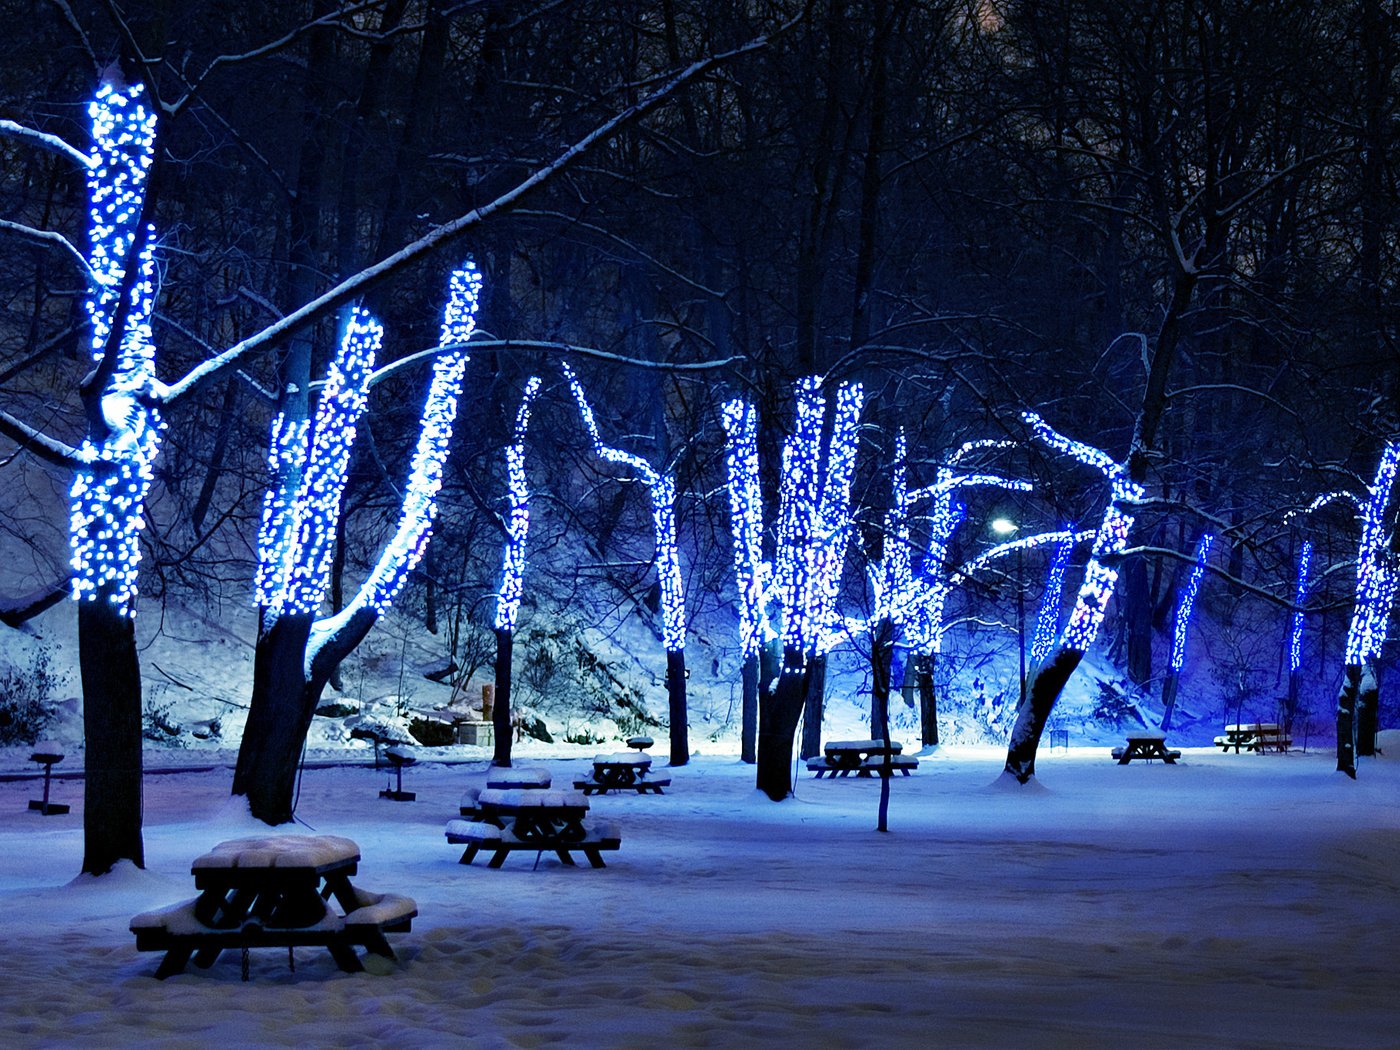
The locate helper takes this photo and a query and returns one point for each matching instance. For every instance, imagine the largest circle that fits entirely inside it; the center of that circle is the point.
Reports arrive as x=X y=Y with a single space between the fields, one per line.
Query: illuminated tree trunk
x=881 y=656
x=675 y=696
x=111 y=676
x=778 y=714
x=749 y=710
x=501 y=728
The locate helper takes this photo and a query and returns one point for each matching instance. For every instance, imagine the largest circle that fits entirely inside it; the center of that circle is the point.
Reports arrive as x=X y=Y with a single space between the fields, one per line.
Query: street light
x=1005 y=528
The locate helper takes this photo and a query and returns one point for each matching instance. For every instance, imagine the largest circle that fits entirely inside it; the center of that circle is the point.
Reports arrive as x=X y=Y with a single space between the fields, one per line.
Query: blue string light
x=662 y=490
x=1300 y=596
x=300 y=569
x=746 y=523
x=108 y=495
x=518 y=524
x=1186 y=602
x=1047 y=620
x=1375 y=569
x=1111 y=539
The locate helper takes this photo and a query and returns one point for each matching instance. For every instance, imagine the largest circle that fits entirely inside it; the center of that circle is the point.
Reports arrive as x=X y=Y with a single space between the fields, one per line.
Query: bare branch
x=361 y=282
x=52 y=142
x=51 y=450
x=52 y=239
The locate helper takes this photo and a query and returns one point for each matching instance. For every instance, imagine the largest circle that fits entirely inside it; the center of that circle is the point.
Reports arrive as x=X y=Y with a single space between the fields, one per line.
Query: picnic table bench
x=1254 y=736
x=621 y=771
x=1146 y=746
x=274 y=892
x=864 y=758
x=540 y=821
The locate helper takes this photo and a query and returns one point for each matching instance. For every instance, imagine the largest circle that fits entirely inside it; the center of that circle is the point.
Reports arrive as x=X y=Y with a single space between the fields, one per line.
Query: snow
x=279 y=851
x=1226 y=901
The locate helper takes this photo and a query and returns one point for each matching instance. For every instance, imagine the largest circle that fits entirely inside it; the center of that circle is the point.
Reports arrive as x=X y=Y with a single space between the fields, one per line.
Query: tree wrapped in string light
x=795 y=601
x=1295 y=635
x=752 y=573
x=1376 y=580
x=512 y=573
x=662 y=490
x=1047 y=619
x=297 y=649
x=1181 y=621
x=113 y=467
x=1048 y=676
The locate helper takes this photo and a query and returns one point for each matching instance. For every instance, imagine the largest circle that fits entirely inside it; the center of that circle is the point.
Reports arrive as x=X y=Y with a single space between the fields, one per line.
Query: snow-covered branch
x=48 y=141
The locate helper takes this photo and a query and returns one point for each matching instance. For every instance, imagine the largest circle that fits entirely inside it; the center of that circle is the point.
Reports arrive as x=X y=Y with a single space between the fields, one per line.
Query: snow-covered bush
x=25 y=708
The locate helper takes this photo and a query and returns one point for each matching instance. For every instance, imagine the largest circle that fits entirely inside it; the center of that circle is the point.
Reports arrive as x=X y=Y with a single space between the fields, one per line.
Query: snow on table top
x=522 y=798
x=862 y=745
x=622 y=758
x=1253 y=727
x=279 y=851
x=47 y=751
x=1147 y=734
x=518 y=776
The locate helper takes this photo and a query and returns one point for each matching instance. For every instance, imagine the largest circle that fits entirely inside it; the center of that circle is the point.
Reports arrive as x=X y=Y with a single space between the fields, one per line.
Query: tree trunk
x=111 y=677
x=675 y=695
x=1137 y=611
x=1047 y=680
x=813 y=704
x=1290 y=707
x=1367 y=711
x=749 y=707
x=881 y=656
x=1168 y=700
x=278 y=719
x=1346 y=718
x=500 y=712
x=778 y=714
x=928 y=700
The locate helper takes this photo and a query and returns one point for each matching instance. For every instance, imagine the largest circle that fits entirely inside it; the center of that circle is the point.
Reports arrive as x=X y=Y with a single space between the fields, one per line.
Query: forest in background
x=971 y=208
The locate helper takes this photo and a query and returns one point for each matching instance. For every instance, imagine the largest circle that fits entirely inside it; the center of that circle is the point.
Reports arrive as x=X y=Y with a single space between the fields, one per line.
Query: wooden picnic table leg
x=205 y=957
x=564 y=857
x=469 y=853
x=498 y=859
x=345 y=957
x=344 y=893
x=173 y=963
x=595 y=858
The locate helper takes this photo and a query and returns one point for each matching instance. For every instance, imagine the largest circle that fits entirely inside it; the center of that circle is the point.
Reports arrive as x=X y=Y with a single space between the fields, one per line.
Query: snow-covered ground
x=1229 y=901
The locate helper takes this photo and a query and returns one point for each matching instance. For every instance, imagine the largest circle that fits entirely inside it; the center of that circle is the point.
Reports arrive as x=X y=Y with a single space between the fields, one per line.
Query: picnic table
x=539 y=821
x=1147 y=746
x=621 y=771
x=864 y=758
x=399 y=756
x=272 y=892
x=1254 y=736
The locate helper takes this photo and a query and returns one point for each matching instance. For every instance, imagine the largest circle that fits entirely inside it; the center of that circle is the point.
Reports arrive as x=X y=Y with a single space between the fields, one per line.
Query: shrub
x=25 y=710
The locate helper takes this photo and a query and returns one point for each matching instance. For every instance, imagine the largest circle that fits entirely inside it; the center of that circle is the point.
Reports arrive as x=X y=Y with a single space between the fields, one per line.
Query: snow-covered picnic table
x=1254 y=736
x=864 y=758
x=621 y=770
x=542 y=820
x=1146 y=745
x=273 y=891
